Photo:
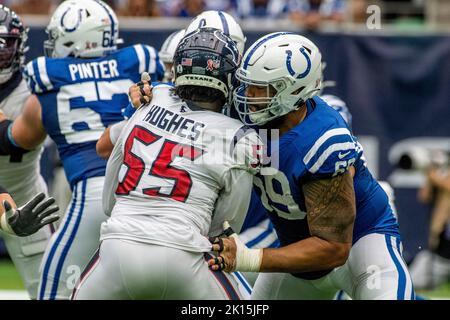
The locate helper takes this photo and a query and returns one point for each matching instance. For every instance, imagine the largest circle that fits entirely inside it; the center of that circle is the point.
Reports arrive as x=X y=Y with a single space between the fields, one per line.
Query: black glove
x=28 y=219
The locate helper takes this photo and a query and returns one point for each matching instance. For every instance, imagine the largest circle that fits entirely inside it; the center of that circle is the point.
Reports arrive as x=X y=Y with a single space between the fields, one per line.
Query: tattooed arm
x=331 y=210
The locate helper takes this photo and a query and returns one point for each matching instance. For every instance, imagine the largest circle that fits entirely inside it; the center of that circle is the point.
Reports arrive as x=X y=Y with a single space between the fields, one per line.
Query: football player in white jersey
x=209 y=19
x=19 y=173
x=79 y=88
x=171 y=180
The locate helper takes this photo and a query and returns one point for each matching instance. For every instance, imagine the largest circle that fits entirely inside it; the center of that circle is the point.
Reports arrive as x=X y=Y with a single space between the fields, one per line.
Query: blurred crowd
x=307 y=13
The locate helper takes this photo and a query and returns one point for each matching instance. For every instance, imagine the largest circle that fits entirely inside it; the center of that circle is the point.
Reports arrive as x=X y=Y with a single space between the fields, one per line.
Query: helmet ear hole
x=307 y=49
x=296 y=92
x=68 y=44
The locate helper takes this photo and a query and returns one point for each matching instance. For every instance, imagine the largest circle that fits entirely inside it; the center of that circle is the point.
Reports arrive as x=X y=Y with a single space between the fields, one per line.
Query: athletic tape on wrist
x=4 y=225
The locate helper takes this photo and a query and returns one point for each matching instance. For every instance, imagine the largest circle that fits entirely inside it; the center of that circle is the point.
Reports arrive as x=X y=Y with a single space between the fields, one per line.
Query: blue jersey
x=81 y=97
x=320 y=147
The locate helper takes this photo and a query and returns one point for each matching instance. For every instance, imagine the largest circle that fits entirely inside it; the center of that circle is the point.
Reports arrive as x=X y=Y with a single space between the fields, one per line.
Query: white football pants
x=375 y=270
x=126 y=270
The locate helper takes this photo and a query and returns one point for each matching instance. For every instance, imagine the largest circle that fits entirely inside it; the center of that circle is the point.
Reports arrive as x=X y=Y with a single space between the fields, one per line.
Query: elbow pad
x=7 y=145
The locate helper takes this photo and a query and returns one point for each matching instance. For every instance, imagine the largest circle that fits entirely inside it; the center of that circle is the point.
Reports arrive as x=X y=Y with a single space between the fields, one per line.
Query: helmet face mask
x=259 y=107
x=49 y=44
x=288 y=63
x=9 y=45
x=13 y=37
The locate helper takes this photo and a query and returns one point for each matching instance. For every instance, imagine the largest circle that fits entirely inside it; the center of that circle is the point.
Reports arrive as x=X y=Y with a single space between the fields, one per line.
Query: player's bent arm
x=27 y=130
x=331 y=211
x=108 y=139
x=111 y=179
x=140 y=94
x=234 y=200
x=232 y=206
x=7 y=143
x=104 y=145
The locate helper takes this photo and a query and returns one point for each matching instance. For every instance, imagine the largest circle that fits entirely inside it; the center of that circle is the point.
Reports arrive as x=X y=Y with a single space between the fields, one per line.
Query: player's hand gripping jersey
x=176 y=170
x=321 y=146
x=81 y=97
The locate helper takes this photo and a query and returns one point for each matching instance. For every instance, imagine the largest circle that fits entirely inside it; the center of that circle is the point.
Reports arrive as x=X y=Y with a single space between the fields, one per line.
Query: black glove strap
x=6 y=146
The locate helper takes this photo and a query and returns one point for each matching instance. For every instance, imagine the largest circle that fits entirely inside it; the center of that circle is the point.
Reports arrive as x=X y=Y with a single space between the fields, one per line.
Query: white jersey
x=22 y=179
x=176 y=173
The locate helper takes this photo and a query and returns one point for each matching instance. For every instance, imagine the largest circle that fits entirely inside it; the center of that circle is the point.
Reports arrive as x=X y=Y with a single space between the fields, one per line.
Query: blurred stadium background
x=390 y=61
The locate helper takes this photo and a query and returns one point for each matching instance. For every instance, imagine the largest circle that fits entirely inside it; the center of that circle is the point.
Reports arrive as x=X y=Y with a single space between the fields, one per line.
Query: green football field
x=10 y=280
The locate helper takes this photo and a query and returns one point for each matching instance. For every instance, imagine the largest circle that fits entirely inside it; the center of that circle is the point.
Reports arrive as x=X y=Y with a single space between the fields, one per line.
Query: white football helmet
x=170 y=45
x=287 y=62
x=340 y=106
x=82 y=28
x=167 y=53
x=222 y=21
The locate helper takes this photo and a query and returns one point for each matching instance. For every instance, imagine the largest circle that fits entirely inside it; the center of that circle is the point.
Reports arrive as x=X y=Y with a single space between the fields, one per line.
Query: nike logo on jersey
x=343 y=155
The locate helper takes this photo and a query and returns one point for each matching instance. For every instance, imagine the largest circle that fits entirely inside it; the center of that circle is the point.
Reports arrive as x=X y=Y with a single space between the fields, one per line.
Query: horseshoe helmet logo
x=289 y=65
x=71 y=23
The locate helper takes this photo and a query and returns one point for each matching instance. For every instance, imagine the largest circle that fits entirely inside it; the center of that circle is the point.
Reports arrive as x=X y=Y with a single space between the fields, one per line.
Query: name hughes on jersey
x=104 y=70
x=174 y=123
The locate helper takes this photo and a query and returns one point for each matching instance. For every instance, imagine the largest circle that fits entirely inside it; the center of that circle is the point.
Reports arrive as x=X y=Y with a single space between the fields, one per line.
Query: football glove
x=28 y=219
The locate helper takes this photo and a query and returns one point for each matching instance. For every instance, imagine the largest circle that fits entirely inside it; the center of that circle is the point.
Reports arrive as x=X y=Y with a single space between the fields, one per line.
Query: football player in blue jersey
x=79 y=88
x=257 y=231
x=333 y=220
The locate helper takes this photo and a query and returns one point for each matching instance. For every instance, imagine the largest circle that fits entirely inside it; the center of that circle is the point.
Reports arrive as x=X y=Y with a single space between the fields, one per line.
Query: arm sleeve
x=233 y=202
x=115 y=130
x=112 y=179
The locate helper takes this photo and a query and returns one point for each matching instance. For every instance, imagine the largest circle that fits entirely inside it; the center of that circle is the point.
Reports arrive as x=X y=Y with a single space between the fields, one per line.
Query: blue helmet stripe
x=224 y=23
x=259 y=44
x=113 y=24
